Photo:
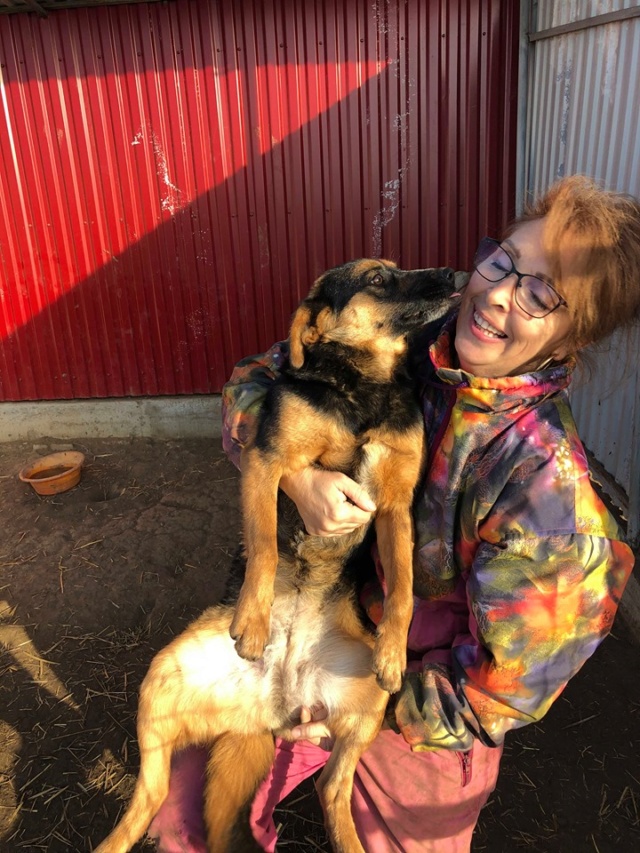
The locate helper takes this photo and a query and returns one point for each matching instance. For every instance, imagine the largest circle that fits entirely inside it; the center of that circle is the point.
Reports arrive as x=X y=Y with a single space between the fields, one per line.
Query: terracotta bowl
x=54 y=473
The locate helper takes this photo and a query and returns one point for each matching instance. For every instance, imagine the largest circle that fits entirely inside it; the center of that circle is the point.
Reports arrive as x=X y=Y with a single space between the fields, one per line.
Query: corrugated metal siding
x=584 y=117
x=175 y=175
x=585 y=107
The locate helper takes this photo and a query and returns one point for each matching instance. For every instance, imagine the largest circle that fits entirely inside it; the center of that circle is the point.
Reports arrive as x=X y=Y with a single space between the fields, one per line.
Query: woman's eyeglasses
x=536 y=297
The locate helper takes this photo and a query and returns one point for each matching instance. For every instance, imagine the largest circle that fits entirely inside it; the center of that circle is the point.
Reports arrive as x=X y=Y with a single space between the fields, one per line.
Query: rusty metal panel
x=584 y=118
x=174 y=176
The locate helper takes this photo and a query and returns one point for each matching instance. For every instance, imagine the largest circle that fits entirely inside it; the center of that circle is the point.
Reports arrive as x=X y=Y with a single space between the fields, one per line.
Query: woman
x=520 y=567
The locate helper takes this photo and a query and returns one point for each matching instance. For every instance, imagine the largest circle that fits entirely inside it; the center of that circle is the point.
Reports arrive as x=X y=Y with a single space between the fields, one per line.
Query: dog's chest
x=309 y=656
x=368 y=406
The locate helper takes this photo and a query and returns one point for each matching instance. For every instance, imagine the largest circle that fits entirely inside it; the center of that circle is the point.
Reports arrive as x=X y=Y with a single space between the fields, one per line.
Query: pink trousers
x=403 y=801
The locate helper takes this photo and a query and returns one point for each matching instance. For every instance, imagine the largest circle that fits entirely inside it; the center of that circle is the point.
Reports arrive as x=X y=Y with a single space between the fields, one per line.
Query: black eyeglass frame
x=496 y=244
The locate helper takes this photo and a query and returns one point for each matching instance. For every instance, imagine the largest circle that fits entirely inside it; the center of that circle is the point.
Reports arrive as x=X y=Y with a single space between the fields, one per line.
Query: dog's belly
x=307 y=661
x=313 y=661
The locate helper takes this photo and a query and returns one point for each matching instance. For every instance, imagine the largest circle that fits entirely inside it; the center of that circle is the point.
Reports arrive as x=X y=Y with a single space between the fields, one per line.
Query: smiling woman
x=518 y=568
x=496 y=333
x=575 y=250
x=591 y=239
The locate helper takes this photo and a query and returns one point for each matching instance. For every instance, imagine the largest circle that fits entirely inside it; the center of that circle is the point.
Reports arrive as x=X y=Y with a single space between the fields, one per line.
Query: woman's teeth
x=487 y=327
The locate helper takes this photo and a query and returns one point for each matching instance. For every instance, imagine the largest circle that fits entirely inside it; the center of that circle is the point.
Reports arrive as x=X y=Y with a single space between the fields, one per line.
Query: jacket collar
x=497 y=394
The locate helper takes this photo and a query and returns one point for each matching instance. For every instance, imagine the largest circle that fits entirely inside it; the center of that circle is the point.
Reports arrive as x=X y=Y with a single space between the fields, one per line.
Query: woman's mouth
x=486 y=327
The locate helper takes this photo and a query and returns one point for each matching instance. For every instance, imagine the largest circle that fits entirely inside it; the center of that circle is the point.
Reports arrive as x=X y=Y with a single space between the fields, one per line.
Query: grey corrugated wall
x=584 y=117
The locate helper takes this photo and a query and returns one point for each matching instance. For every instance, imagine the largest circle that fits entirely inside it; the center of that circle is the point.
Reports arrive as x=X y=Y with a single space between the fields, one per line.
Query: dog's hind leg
x=354 y=734
x=237 y=765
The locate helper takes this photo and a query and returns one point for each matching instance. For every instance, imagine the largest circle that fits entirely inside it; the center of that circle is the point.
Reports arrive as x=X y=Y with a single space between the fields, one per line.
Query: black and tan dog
x=345 y=403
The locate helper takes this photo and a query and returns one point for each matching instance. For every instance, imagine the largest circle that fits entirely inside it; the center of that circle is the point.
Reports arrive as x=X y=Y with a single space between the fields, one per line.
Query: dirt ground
x=94 y=581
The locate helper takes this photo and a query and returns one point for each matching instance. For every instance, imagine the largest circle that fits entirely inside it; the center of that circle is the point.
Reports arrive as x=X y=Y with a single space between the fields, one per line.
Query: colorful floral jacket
x=520 y=566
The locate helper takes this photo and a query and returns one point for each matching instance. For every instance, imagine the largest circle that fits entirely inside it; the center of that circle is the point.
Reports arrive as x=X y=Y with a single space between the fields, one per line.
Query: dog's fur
x=344 y=403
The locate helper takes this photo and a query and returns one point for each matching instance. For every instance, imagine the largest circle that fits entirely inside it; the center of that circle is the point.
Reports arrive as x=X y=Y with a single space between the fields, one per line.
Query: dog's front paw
x=389 y=663
x=251 y=632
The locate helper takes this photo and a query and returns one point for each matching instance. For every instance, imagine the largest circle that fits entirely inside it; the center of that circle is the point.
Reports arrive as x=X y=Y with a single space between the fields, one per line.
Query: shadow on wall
x=366 y=166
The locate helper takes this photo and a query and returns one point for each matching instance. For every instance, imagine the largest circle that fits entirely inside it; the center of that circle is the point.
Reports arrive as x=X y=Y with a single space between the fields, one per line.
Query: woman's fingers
x=313 y=727
x=357 y=496
x=329 y=503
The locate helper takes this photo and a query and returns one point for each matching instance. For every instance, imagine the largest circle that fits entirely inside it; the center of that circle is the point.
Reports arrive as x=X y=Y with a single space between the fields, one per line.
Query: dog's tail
x=237 y=765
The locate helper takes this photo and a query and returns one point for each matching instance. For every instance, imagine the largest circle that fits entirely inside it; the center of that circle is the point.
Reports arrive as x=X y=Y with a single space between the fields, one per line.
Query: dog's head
x=370 y=306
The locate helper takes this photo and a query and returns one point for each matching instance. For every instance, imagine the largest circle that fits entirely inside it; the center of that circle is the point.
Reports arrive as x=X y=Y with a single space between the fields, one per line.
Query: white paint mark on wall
x=390 y=205
x=195 y=322
x=172 y=197
x=399 y=122
x=381 y=16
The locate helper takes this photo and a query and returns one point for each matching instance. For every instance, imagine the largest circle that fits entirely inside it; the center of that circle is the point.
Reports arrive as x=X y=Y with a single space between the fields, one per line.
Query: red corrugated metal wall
x=175 y=175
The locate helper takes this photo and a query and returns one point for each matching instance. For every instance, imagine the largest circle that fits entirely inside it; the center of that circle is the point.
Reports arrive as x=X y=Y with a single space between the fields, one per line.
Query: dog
x=345 y=402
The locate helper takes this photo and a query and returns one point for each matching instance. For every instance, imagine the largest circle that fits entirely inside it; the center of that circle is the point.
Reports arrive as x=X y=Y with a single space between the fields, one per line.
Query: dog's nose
x=448 y=274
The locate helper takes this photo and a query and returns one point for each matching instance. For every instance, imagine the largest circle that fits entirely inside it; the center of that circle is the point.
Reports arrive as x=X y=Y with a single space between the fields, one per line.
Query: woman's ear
x=565 y=349
x=569 y=345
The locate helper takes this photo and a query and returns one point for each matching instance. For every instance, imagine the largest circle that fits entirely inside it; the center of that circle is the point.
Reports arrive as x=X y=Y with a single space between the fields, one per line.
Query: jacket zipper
x=465 y=767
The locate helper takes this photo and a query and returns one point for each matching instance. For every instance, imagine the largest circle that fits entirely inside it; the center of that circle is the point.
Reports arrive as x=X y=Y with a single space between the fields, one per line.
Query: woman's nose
x=502 y=292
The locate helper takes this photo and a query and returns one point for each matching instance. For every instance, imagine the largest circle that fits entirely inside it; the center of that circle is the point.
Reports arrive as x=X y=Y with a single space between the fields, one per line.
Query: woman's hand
x=329 y=503
x=313 y=728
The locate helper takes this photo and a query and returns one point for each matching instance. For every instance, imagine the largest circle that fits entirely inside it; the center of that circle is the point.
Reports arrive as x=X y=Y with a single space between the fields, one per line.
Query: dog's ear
x=305 y=332
x=299 y=325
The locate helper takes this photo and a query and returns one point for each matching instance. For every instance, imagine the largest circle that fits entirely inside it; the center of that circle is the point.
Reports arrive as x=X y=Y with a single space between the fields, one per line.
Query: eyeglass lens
x=532 y=294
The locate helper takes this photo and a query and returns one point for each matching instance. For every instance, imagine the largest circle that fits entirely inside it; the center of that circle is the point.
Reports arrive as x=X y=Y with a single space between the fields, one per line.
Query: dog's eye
x=377 y=279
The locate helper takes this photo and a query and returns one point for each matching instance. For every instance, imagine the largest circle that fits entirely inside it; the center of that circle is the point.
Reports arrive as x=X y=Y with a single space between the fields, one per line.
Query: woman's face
x=494 y=336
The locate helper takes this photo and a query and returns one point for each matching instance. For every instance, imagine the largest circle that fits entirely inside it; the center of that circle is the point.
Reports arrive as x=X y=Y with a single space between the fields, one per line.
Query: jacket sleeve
x=539 y=605
x=243 y=396
x=539 y=611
